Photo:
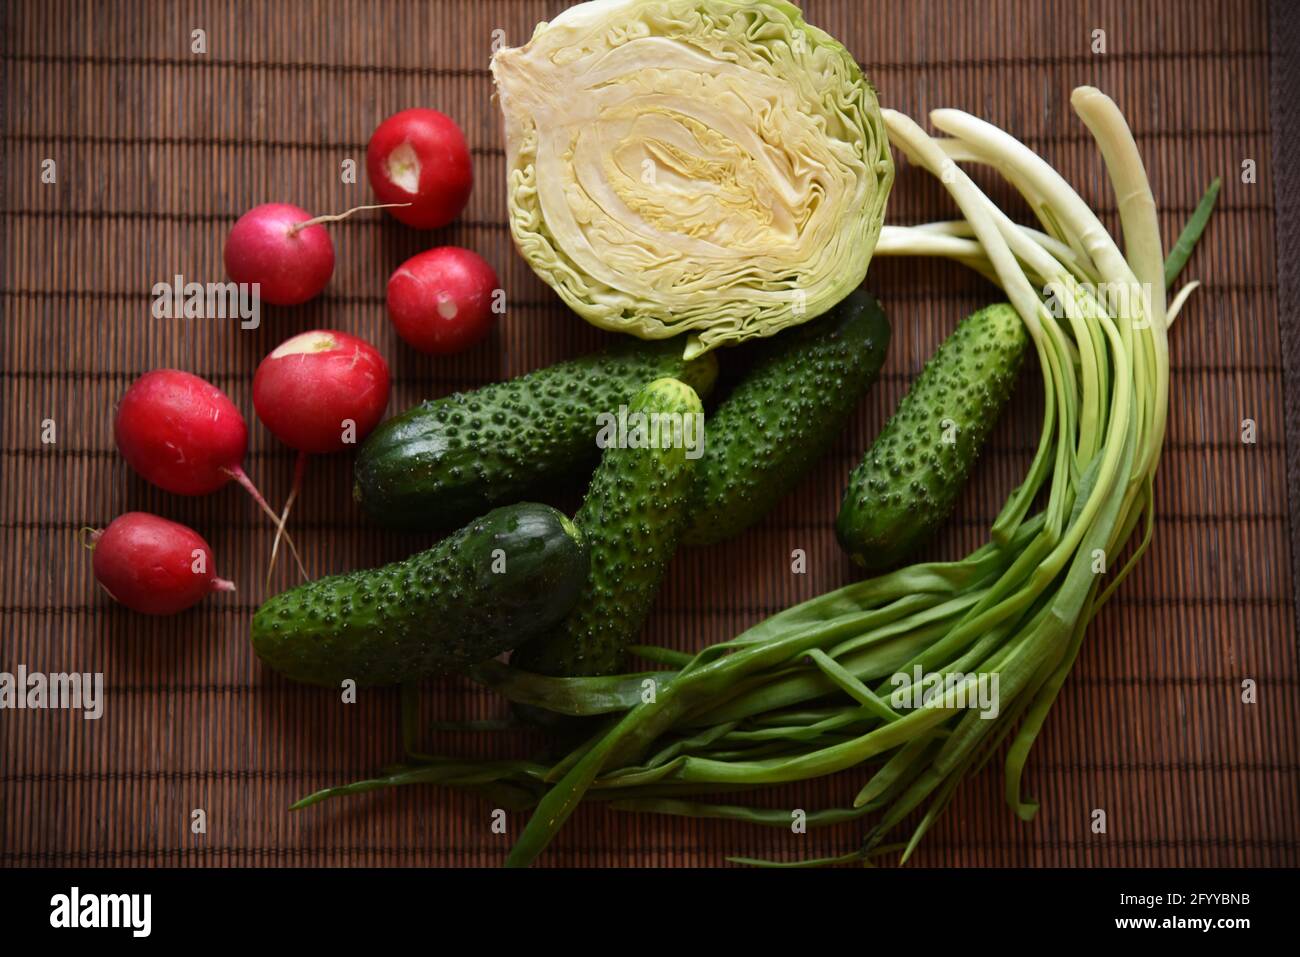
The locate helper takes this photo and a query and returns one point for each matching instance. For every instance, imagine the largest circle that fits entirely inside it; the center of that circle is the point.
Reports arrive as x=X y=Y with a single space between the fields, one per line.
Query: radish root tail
x=239 y=475
x=337 y=217
x=299 y=471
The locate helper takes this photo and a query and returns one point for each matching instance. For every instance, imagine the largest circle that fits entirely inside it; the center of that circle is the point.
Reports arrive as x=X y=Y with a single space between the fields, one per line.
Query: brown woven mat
x=158 y=150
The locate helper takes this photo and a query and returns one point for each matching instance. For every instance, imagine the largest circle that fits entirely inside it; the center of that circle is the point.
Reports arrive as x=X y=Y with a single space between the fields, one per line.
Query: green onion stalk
x=878 y=677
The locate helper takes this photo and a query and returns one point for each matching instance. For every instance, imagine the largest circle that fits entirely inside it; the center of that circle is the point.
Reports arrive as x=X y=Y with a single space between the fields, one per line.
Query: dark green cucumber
x=447 y=460
x=632 y=517
x=910 y=478
x=502 y=579
x=784 y=415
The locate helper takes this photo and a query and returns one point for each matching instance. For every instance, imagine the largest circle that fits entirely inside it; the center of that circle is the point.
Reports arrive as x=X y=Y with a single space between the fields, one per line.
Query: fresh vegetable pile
x=816 y=689
x=770 y=171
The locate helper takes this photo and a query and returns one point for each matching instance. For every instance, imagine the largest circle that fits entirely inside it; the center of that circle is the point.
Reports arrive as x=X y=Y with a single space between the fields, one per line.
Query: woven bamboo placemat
x=157 y=149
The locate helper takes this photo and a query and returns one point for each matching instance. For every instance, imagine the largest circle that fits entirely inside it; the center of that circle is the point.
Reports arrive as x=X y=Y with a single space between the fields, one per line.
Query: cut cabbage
x=700 y=165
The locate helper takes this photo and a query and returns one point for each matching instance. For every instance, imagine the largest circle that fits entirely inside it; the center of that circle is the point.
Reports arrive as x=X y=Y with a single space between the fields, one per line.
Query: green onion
x=1190 y=234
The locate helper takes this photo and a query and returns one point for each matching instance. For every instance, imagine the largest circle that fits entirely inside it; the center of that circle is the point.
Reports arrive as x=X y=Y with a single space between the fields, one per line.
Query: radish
x=284 y=250
x=441 y=301
x=420 y=156
x=151 y=565
x=319 y=392
x=184 y=435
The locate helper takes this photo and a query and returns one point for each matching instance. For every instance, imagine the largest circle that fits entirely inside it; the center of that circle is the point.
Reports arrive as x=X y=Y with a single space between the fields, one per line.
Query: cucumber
x=632 y=516
x=783 y=416
x=910 y=478
x=497 y=582
x=442 y=462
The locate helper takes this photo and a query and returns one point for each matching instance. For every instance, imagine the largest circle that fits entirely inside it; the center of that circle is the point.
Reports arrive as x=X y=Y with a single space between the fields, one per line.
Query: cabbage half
x=700 y=165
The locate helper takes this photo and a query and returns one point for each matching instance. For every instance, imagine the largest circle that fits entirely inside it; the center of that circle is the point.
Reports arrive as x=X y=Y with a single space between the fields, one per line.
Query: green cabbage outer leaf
x=701 y=165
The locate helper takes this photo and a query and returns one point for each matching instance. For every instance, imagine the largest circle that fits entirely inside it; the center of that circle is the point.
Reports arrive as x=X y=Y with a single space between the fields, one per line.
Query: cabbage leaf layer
x=692 y=165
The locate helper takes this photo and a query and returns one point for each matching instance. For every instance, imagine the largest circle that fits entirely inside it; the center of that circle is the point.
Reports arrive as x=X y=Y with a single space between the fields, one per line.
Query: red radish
x=420 y=156
x=284 y=249
x=319 y=392
x=441 y=301
x=269 y=245
x=152 y=565
x=311 y=384
x=184 y=435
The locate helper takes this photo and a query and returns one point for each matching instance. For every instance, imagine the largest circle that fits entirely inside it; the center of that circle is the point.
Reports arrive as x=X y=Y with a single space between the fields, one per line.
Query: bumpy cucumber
x=483 y=590
x=784 y=415
x=910 y=478
x=443 y=462
x=633 y=515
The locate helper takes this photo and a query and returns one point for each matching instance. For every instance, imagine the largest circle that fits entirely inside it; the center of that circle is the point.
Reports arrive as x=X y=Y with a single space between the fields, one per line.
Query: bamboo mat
x=157 y=150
